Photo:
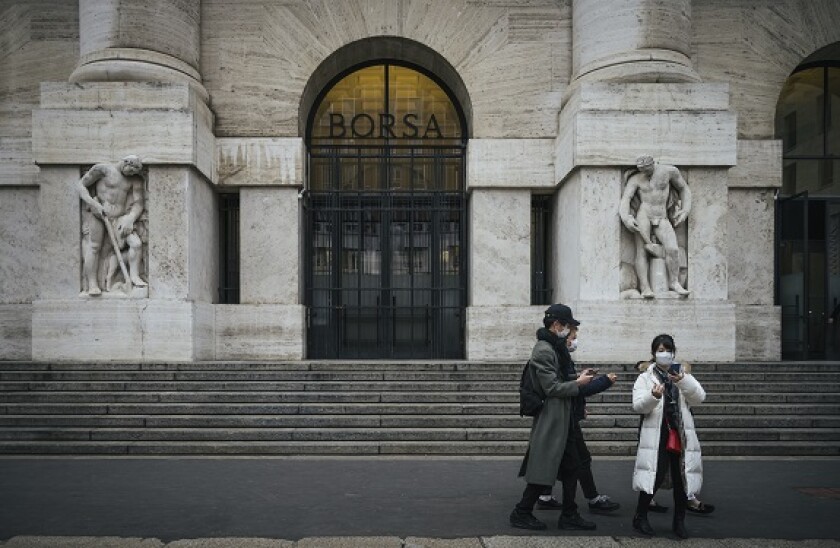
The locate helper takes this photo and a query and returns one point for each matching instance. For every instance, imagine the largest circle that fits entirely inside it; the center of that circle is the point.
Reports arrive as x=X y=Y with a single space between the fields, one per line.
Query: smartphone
x=593 y=372
x=675 y=369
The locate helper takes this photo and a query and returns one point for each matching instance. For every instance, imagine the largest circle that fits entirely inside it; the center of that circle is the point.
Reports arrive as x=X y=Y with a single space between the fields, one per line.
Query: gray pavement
x=161 y=500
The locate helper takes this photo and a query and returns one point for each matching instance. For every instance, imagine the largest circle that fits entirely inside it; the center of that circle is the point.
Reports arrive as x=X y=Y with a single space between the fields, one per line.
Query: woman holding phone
x=664 y=395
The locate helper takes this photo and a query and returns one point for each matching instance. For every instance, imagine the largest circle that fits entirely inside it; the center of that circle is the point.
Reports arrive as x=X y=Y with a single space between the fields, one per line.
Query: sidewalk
x=400 y=499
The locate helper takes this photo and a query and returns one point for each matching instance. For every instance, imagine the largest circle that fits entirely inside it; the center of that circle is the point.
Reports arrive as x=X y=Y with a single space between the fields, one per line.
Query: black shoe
x=550 y=504
x=603 y=505
x=679 y=528
x=640 y=524
x=658 y=508
x=525 y=520
x=700 y=507
x=575 y=521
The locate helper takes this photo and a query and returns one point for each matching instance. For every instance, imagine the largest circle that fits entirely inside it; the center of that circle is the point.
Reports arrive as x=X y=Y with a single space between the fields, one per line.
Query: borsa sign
x=364 y=125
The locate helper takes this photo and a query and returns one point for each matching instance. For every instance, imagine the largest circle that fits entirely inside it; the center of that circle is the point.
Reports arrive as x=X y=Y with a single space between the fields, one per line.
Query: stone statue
x=113 y=225
x=657 y=187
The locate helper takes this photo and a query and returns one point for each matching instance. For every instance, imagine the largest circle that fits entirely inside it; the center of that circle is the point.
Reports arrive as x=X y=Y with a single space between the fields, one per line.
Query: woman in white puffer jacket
x=664 y=396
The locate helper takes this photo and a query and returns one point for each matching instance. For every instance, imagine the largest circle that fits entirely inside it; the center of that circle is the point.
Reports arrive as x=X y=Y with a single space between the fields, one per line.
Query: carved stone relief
x=655 y=205
x=114 y=229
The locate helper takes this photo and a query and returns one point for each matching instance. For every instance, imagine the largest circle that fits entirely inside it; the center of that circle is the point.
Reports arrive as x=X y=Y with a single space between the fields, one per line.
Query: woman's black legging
x=667 y=462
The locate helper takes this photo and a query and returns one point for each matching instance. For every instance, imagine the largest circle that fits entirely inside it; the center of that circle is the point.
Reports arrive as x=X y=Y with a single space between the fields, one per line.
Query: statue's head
x=645 y=164
x=131 y=165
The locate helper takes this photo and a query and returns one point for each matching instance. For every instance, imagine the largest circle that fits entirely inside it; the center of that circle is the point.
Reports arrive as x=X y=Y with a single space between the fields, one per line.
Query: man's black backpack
x=530 y=401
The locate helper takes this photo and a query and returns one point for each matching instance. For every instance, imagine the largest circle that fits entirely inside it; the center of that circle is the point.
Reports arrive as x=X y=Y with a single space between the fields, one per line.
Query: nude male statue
x=653 y=186
x=118 y=196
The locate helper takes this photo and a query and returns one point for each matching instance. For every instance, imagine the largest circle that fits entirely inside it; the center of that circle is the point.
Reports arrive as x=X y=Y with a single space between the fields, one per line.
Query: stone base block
x=618 y=332
x=758 y=333
x=260 y=332
x=141 y=330
x=16 y=332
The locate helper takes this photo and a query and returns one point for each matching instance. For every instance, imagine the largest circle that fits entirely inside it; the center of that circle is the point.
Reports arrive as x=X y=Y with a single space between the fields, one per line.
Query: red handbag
x=674 y=445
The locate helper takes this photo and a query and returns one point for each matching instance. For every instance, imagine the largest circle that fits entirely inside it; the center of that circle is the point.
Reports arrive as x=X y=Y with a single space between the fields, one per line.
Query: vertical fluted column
x=632 y=41
x=148 y=41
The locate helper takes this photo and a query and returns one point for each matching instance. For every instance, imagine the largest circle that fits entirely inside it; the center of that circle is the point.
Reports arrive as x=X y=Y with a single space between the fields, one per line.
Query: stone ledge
x=260 y=332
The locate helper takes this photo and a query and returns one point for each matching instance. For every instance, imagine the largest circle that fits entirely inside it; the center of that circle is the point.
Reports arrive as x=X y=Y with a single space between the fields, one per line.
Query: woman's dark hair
x=665 y=340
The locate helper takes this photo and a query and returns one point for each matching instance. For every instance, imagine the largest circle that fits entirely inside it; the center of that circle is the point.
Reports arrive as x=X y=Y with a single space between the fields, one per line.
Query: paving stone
x=667 y=539
x=231 y=543
x=82 y=542
x=417 y=542
x=350 y=542
x=549 y=542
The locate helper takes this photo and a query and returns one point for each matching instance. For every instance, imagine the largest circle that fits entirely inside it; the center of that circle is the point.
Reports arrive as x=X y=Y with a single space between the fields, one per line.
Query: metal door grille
x=385 y=268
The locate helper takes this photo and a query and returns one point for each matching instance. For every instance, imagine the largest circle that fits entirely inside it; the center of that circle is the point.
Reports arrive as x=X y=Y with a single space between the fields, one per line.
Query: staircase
x=381 y=408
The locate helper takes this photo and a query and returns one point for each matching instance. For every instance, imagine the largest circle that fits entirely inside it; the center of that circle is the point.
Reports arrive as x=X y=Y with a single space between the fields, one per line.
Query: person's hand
x=679 y=217
x=612 y=377
x=658 y=390
x=676 y=378
x=630 y=223
x=585 y=377
x=97 y=209
x=125 y=225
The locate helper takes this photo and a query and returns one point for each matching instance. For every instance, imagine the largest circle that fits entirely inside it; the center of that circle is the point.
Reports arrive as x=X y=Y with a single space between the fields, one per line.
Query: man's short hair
x=643 y=161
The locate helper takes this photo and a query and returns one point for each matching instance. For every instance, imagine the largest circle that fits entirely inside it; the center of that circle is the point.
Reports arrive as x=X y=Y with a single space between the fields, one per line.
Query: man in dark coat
x=551 y=454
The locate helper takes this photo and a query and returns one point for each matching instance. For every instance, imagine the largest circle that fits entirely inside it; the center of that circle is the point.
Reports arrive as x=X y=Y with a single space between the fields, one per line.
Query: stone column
x=130 y=41
x=632 y=41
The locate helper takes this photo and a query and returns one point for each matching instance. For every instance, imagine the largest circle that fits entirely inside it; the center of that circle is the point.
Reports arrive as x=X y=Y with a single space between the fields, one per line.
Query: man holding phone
x=552 y=450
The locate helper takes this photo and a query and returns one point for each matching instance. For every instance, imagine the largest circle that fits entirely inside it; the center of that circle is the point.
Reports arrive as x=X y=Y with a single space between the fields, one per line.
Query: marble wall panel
x=599 y=233
x=751 y=223
x=103 y=330
x=117 y=96
x=20 y=244
x=706 y=96
x=60 y=233
x=708 y=230
x=759 y=164
x=510 y=163
x=502 y=332
x=758 y=332
x=270 y=245
x=500 y=247
x=203 y=240
x=260 y=332
x=169 y=232
x=567 y=224
x=204 y=331
x=16 y=331
x=258 y=161
x=755 y=46
x=515 y=58
x=38 y=41
x=617 y=332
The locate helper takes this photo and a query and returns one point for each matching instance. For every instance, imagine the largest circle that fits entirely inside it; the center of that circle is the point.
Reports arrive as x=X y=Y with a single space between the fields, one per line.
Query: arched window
x=808 y=123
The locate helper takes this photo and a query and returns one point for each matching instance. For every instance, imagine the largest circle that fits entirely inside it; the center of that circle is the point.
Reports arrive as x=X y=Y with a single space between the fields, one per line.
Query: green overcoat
x=550 y=429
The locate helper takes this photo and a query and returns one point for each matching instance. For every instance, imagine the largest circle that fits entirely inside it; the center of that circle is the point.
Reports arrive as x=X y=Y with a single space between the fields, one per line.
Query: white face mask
x=664 y=358
x=572 y=346
x=565 y=333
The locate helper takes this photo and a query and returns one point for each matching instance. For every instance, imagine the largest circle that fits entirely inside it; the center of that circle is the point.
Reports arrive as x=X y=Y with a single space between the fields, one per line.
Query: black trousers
x=585 y=478
x=570 y=466
x=668 y=462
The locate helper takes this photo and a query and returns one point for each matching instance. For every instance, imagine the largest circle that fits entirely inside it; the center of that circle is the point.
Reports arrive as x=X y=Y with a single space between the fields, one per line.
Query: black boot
x=575 y=522
x=679 y=527
x=640 y=524
x=525 y=520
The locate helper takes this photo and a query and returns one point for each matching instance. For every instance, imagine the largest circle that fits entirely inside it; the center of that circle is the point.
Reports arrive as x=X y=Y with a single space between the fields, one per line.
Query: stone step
x=398 y=366
x=513 y=448
x=363 y=376
x=594 y=421
x=380 y=408
x=613 y=396
x=384 y=434
x=712 y=387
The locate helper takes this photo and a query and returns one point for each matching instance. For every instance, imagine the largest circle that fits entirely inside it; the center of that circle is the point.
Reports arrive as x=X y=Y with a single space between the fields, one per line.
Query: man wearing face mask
x=664 y=395
x=552 y=451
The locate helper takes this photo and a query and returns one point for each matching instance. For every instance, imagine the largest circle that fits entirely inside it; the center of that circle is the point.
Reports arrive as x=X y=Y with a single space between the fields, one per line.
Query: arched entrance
x=808 y=209
x=385 y=216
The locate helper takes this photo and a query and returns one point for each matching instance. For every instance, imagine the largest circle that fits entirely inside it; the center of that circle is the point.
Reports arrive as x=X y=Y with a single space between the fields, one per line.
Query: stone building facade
x=400 y=179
